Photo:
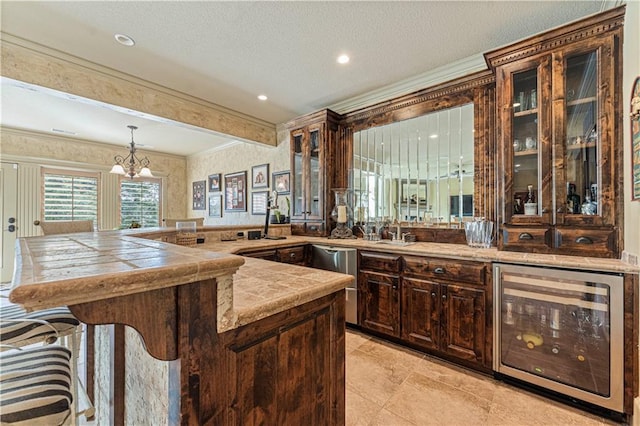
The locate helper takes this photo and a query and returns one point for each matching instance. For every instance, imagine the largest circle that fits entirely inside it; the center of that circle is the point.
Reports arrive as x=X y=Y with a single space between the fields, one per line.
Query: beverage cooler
x=561 y=330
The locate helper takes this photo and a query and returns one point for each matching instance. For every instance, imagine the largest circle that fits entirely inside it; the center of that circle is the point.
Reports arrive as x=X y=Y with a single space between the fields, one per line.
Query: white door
x=8 y=210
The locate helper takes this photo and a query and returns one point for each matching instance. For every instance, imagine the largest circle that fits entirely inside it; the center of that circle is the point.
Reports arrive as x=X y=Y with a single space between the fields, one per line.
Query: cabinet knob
x=439 y=270
x=545 y=210
x=584 y=240
x=292 y=255
x=313 y=228
x=560 y=209
x=525 y=236
x=395 y=287
x=444 y=296
x=433 y=294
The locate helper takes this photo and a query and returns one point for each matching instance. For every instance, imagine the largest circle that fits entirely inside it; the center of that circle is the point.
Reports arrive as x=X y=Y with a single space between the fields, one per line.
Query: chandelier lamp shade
x=131 y=165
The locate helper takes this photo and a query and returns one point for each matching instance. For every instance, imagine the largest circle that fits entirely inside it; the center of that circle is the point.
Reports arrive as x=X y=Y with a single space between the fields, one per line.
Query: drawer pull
x=292 y=255
x=584 y=240
x=525 y=236
x=439 y=270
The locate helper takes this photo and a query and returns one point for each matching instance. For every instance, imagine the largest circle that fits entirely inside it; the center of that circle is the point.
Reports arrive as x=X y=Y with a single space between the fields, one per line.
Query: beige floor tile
x=360 y=411
x=373 y=377
x=386 y=418
x=354 y=339
x=425 y=401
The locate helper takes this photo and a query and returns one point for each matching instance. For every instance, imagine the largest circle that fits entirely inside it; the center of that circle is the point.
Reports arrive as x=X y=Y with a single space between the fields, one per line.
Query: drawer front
x=445 y=269
x=524 y=238
x=380 y=262
x=291 y=255
x=262 y=254
x=590 y=242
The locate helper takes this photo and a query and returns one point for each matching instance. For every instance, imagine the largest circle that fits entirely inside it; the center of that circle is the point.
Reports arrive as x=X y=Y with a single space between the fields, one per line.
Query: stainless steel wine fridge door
x=561 y=330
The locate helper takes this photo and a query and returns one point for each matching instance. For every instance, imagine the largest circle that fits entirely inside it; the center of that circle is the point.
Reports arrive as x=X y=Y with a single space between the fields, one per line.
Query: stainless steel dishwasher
x=344 y=260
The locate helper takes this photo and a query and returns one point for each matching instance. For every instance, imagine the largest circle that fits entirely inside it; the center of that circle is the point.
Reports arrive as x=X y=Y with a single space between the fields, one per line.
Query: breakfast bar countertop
x=87 y=267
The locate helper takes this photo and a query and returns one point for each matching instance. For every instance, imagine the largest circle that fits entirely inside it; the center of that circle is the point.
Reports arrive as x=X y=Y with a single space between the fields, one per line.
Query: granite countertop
x=450 y=251
x=87 y=267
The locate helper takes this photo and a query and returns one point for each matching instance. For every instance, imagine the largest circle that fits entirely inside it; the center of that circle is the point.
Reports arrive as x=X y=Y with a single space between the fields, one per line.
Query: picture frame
x=199 y=195
x=259 y=202
x=215 y=205
x=260 y=176
x=235 y=188
x=214 y=183
x=281 y=182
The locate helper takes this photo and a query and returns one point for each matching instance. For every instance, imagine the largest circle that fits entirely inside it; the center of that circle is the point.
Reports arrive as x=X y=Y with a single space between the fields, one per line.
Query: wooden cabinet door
x=463 y=322
x=421 y=312
x=379 y=302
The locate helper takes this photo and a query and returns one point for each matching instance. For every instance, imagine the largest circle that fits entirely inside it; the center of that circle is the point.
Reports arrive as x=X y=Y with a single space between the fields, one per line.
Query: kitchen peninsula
x=240 y=358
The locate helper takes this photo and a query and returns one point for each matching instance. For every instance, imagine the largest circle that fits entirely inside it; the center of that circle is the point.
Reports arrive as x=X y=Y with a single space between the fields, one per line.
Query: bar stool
x=36 y=386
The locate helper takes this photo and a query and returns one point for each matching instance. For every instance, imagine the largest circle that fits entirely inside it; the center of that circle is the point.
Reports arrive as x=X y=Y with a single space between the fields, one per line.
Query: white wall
x=237 y=158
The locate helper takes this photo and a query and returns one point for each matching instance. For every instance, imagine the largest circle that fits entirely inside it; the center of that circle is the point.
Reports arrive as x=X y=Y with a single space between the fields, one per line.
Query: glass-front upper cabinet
x=307 y=173
x=579 y=143
x=528 y=192
x=559 y=171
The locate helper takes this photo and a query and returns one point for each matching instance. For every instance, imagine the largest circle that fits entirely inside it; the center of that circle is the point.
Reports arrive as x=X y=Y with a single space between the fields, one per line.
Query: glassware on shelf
x=530 y=205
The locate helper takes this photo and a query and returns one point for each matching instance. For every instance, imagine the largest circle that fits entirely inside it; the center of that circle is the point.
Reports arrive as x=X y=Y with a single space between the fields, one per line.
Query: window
x=70 y=195
x=140 y=202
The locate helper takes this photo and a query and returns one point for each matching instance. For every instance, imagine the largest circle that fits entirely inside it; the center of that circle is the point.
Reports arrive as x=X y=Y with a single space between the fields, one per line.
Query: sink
x=395 y=243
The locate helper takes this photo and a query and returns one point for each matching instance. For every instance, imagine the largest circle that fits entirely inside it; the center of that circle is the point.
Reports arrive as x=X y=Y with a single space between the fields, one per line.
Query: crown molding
x=430 y=78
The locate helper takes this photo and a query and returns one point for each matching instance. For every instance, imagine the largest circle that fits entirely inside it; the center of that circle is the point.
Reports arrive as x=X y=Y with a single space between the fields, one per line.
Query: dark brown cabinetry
x=317 y=166
x=559 y=139
x=444 y=307
x=296 y=255
x=440 y=305
x=379 y=298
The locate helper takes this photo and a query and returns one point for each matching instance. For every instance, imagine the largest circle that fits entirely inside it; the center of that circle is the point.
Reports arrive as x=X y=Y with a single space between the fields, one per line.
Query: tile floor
x=389 y=385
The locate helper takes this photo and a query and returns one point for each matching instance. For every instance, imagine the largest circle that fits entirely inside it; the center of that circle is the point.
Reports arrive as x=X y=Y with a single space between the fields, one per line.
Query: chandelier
x=131 y=165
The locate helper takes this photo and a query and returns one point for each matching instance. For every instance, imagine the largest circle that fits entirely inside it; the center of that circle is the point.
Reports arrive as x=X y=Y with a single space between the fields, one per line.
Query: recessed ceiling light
x=262 y=97
x=343 y=59
x=124 y=40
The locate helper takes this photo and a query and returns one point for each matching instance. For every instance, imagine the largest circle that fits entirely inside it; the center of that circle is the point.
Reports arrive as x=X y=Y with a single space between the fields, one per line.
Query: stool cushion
x=35 y=386
x=13 y=330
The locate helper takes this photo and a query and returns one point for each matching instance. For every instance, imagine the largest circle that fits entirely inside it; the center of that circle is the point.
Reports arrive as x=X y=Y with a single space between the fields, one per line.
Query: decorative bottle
x=530 y=206
x=573 y=199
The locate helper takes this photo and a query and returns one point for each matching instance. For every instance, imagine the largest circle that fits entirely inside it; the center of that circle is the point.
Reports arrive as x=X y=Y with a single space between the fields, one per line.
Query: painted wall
x=32 y=151
x=236 y=158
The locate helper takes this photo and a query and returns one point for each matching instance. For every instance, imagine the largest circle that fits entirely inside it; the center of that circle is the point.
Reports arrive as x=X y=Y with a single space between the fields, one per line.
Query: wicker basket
x=187 y=239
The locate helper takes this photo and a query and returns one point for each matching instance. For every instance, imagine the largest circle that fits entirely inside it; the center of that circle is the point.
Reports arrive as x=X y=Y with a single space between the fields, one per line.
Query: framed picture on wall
x=199 y=195
x=214 y=182
x=215 y=205
x=281 y=182
x=260 y=176
x=259 y=202
x=235 y=191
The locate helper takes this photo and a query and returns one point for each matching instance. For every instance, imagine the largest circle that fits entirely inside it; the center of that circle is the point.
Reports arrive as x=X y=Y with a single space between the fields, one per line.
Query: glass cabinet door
x=315 y=174
x=579 y=189
x=526 y=153
x=530 y=169
x=297 y=195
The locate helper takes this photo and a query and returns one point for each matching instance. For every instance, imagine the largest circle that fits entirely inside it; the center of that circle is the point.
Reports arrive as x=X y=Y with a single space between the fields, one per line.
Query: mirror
x=417 y=171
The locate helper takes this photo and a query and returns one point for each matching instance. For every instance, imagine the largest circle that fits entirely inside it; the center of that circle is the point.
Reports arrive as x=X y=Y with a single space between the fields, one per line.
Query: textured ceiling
x=229 y=52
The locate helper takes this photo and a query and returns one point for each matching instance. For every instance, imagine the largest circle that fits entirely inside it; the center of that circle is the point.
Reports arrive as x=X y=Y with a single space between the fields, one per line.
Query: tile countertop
x=451 y=251
x=86 y=267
